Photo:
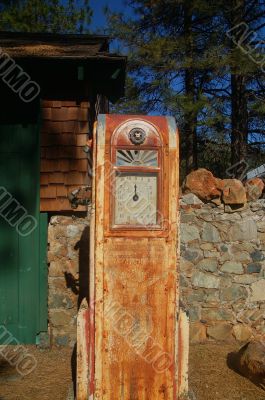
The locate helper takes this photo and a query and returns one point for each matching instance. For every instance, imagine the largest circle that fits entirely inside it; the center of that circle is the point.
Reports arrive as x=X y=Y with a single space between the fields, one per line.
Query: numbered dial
x=136 y=199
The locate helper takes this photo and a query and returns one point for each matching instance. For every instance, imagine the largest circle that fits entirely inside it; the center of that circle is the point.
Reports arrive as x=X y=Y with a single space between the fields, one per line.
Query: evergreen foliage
x=182 y=61
x=56 y=16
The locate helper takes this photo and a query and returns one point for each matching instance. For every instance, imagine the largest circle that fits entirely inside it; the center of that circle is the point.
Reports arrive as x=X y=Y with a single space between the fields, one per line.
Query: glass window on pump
x=136 y=197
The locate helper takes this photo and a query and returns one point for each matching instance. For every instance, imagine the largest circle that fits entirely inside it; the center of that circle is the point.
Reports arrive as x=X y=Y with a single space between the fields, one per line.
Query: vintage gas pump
x=133 y=336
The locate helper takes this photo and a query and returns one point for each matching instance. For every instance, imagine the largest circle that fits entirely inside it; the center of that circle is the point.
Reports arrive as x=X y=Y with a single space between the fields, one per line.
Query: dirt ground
x=210 y=377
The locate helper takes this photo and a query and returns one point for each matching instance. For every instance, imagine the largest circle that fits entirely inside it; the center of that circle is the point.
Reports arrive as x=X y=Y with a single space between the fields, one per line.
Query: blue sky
x=99 y=20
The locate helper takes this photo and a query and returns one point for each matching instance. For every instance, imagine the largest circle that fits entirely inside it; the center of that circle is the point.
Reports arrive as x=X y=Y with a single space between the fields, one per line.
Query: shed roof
x=49 y=45
x=38 y=49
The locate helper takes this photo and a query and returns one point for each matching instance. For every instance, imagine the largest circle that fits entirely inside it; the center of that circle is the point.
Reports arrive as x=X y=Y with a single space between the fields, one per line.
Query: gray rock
x=226 y=281
x=60 y=318
x=194 y=313
x=245 y=279
x=43 y=340
x=258 y=291
x=193 y=255
x=212 y=296
x=245 y=230
x=196 y=295
x=225 y=257
x=257 y=255
x=254 y=268
x=186 y=218
x=72 y=231
x=186 y=267
x=210 y=233
x=238 y=247
x=257 y=205
x=188 y=233
x=233 y=293
x=224 y=248
x=60 y=301
x=61 y=340
x=233 y=208
x=243 y=257
x=228 y=217
x=207 y=246
x=208 y=264
x=212 y=314
x=190 y=199
x=261 y=226
x=200 y=279
x=210 y=254
x=220 y=332
x=183 y=281
x=232 y=267
x=205 y=216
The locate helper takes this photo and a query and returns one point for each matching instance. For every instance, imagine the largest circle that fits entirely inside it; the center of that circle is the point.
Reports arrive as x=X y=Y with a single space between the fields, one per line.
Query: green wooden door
x=23 y=268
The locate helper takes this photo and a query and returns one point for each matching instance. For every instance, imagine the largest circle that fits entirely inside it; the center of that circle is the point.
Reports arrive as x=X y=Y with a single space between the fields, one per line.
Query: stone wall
x=68 y=257
x=223 y=269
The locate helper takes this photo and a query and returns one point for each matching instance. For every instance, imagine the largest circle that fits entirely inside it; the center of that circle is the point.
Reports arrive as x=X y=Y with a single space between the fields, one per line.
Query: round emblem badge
x=137 y=136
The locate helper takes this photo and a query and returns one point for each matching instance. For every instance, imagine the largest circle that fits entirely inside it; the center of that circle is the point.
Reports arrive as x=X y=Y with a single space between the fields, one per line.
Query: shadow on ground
x=233 y=363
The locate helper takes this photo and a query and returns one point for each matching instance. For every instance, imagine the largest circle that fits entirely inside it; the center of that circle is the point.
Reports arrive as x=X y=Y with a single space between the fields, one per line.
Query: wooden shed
x=52 y=88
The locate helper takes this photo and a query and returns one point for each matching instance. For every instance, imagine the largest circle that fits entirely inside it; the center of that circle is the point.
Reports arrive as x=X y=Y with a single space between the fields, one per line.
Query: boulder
x=251 y=361
x=254 y=188
x=233 y=192
x=203 y=184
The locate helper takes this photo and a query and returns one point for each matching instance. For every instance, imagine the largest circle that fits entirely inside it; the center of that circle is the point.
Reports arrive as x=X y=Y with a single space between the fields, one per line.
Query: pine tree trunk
x=239 y=109
x=239 y=134
x=190 y=116
x=190 y=126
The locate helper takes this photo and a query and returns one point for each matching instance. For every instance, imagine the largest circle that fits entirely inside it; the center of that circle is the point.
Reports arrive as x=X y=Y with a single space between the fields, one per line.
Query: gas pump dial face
x=136 y=198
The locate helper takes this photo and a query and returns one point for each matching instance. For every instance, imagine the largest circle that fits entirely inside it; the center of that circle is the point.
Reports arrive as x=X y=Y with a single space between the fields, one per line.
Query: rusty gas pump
x=132 y=334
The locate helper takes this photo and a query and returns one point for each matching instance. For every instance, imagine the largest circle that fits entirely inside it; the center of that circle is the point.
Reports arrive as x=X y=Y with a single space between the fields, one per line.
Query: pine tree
x=183 y=61
x=242 y=19
x=45 y=16
x=170 y=63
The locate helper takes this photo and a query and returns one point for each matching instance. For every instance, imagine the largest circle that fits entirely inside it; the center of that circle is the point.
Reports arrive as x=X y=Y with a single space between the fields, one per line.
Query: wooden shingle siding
x=64 y=166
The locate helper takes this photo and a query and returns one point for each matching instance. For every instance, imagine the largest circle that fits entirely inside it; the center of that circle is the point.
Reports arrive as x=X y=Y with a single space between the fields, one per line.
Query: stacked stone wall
x=222 y=271
x=68 y=258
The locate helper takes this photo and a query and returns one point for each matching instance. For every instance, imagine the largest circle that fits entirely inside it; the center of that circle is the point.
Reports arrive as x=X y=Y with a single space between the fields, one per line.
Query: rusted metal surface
x=82 y=351
x=183 y=353
x=139 y=352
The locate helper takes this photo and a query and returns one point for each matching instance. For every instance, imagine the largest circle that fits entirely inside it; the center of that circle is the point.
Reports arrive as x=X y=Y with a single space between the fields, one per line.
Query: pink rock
x=203 y=184
x=233 y=192
x=254 y=188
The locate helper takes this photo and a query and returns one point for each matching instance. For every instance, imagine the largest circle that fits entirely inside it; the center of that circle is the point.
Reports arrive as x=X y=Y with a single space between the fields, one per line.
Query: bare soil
x=210 y=376
x=212 y=379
